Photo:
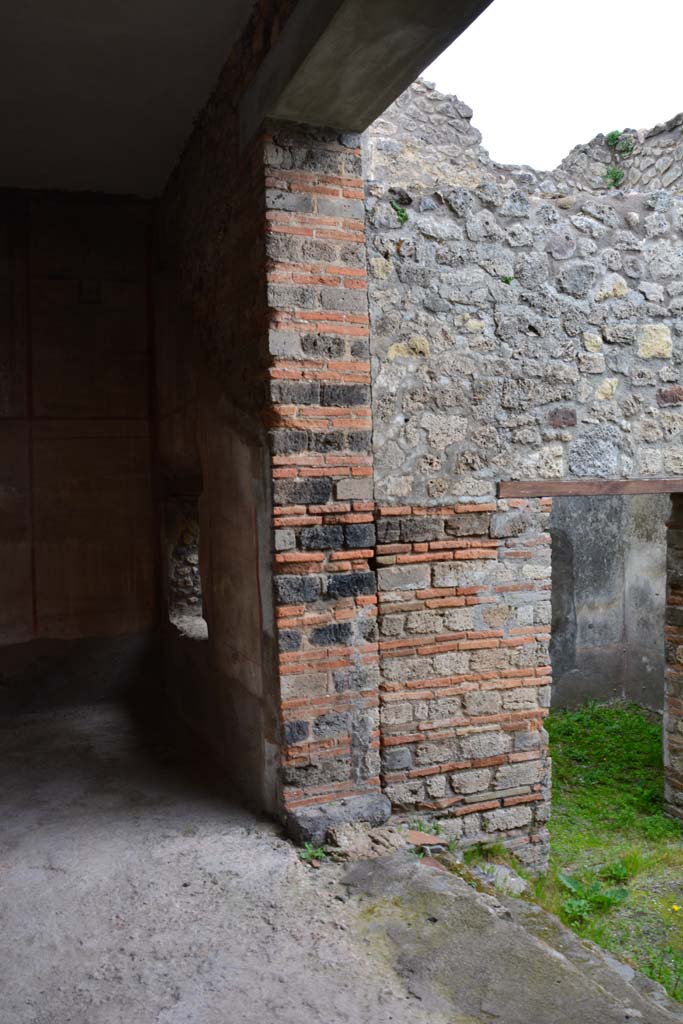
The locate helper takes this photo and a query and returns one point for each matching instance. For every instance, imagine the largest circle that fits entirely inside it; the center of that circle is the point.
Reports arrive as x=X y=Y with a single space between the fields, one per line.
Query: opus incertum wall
x=522 y=329
x=465 y=326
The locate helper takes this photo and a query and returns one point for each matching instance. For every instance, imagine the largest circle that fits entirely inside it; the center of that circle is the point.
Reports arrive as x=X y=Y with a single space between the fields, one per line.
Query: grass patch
x=431 y=828
x=616 y=865
x=487 y=853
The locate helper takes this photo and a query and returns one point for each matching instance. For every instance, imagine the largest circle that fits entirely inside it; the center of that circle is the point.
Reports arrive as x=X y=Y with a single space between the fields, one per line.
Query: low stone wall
x=648 y=160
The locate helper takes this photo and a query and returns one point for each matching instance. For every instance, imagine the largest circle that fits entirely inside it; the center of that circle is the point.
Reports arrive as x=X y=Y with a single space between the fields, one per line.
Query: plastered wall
x=77 y=530
x=608 y=599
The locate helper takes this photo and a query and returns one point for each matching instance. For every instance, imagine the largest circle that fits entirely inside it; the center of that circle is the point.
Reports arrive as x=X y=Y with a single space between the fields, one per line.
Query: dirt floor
x=130 y=893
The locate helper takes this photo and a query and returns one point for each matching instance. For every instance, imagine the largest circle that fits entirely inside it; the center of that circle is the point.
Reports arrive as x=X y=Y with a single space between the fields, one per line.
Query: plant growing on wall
x=622 y=145
x=400 y=211
x=614 y=176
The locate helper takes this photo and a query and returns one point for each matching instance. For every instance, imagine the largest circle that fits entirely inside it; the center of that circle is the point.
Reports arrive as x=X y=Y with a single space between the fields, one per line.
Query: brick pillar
x=464 y=597
x=673 y=704
x=325 y=588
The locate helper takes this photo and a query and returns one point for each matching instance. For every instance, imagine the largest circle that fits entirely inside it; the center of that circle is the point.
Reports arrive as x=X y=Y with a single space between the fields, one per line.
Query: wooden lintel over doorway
x=561 y=488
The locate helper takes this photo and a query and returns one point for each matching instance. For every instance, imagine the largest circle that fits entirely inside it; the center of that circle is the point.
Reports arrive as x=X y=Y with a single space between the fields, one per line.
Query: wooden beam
x=563 y=488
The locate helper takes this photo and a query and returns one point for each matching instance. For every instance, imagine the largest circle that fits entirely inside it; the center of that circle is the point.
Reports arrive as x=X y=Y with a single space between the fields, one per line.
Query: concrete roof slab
x=101 y=96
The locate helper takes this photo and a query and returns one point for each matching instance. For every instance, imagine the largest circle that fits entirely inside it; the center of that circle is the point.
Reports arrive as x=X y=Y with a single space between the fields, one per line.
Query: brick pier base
x=464 y=617
x=673 y=705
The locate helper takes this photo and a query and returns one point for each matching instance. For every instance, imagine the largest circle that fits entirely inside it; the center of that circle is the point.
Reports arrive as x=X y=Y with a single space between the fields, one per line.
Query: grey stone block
x=404 y=577
x=311 y=824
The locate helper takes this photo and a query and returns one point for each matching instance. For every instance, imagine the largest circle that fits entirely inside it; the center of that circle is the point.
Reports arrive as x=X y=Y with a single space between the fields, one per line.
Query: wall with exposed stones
x=182 y=583
x=523 y=327
x=650 y=160
x=426 y=138
x=464 y=602
x=517 y=337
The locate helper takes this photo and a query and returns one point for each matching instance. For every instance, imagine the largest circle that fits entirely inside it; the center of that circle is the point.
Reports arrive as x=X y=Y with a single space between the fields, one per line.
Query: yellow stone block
x=592 y=342
x=654 y=341
x=380 y=268
x=613 y=287
x=607 y=389
x=415 y=346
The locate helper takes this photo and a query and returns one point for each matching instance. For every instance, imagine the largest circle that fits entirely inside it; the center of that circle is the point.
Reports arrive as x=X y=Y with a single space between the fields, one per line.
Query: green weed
x=310 y=853
x=666 y=967
x=587 y=897
x=487 y=852
x=620 y=143
x=617 y=872
x=432 y=828
x=400 y=211
x=614 y=176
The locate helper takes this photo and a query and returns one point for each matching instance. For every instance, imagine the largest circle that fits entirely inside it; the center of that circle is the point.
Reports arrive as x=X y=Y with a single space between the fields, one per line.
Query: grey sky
x=543 y=76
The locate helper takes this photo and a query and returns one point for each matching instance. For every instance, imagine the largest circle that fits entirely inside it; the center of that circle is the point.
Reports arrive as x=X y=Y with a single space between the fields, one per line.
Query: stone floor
x=131 y=893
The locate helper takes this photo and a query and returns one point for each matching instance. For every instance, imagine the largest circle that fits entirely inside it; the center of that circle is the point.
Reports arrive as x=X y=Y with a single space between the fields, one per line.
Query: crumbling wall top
x=427 y=138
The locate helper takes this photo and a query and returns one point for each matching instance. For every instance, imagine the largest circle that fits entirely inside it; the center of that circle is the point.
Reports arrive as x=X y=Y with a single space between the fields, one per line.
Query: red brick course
x=673 y=707
x=463 y=700
x=320 y=424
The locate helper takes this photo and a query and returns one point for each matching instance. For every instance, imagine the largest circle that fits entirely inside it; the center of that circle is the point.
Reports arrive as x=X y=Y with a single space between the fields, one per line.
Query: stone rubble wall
x=522 y=327
x=655 y=161
x=426 y=139
x=183 y=584
x=521 y=337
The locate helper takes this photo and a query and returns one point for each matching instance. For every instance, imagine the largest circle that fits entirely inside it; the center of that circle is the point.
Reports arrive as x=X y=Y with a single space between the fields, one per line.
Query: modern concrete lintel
x=340 y=63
